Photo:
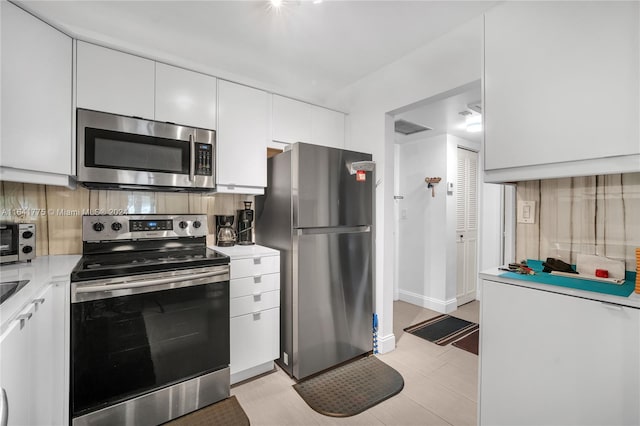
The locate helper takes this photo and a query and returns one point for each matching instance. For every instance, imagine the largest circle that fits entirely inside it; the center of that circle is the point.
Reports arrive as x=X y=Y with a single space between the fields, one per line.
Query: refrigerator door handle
x=334 y=230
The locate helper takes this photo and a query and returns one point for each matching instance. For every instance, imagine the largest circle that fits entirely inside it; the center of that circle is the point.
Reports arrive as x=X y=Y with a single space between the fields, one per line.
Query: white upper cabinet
x=291 y=120
x=295 y=121
x=561 y=89
x=185 y=97
x=116 y=82
x=36 y=141
x=327 y=127
x=242 y=136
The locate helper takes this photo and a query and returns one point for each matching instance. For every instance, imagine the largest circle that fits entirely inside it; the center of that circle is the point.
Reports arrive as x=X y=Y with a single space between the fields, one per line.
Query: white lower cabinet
x=555 y=359
x=254 y=290
x=32 y=367
x=252 y=342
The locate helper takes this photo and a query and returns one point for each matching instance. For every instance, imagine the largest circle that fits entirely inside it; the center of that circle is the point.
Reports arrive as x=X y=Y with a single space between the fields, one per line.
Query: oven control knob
x=183 y=224
x=27 y=249
x=116 y=226
x=98 y=227
x=197 y=224
x=27 y=234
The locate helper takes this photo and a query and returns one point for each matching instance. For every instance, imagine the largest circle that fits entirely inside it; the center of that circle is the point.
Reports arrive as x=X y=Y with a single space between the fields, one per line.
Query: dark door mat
x=351 y=388
x=469 y=343
x=442 y=329
x=227 y=412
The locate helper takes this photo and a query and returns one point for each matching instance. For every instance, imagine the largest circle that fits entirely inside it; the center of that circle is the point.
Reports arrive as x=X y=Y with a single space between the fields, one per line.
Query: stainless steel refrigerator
x=318 y=211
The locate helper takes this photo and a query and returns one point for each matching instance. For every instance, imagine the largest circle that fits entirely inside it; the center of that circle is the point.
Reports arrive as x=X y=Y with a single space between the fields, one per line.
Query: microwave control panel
x=204 y=159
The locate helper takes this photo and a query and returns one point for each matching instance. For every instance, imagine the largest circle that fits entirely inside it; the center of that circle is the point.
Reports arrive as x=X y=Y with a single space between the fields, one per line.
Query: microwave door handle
x=192 y=159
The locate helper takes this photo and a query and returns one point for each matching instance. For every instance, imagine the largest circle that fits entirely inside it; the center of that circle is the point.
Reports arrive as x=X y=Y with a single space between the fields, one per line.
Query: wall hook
x=430 y=184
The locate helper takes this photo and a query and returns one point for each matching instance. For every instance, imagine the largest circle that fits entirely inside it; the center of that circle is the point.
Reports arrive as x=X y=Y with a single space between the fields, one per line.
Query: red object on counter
x=602 y=273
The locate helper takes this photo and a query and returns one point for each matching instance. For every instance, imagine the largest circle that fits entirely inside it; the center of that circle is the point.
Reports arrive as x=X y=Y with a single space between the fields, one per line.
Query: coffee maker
x=225 y=235
x=245 y=225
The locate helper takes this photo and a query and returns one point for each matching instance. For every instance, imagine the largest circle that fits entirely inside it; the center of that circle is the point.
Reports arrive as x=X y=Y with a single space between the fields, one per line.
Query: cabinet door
x=243 y=131
x=15 y=371
x=291 y=120
x=575 y=357
x=185 y=97
x=255 y=339
x=36 y=94
x=327 y=127
x=116 y=82
x=47 y=363
x=561 y=84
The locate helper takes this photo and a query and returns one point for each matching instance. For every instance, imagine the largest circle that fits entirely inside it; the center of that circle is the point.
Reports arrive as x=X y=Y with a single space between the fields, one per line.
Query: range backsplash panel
x=57 y=211
x=591 y=215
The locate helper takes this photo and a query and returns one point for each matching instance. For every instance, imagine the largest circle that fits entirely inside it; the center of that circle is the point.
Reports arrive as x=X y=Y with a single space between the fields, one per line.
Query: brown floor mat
x=351 y=388
x=227 y=412
x=469 y=343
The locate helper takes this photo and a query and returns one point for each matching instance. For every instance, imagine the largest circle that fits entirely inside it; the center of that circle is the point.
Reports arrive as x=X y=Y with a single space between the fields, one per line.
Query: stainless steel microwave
x=119 y=152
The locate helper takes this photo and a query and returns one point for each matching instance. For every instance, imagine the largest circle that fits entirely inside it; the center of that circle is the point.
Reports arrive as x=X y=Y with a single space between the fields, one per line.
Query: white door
x=466 y=225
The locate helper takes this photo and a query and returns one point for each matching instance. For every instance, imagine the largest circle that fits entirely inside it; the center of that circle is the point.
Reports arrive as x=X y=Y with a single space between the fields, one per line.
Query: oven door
x=121 y=151
x=135 y=335
x=8 y=242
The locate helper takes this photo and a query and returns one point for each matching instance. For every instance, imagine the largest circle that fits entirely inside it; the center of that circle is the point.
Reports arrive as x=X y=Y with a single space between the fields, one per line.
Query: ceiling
x=304 y=50
x=443 y=116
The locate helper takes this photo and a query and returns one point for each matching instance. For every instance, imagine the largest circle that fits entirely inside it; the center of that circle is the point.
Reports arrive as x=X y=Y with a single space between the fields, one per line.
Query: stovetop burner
x=123 y=251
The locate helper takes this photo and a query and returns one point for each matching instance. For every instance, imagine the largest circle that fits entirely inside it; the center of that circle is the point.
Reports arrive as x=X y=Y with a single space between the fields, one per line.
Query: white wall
x=451 y=61
x=426 y=228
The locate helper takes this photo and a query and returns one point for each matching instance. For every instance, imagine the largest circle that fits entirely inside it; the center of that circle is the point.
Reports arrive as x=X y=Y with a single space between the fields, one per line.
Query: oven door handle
x=147 y=283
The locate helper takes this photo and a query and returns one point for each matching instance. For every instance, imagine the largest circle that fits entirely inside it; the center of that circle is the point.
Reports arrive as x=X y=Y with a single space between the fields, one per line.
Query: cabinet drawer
x=249 y=286
x=254 y=303
x=258 y=265
x=255 y=339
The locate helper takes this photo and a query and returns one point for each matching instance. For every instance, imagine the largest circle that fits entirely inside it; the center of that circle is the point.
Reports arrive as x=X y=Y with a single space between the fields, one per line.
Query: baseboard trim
x=438 y=305
x=386 y=343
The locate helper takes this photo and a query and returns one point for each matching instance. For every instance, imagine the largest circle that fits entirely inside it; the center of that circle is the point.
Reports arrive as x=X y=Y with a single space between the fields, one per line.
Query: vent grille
x=409 y=128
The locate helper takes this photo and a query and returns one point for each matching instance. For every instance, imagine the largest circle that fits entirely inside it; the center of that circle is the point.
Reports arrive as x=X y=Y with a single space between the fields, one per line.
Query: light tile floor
x=441 y=384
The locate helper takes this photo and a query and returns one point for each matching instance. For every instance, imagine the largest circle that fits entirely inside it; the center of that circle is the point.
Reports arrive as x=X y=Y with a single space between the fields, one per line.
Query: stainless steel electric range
x=149 y=320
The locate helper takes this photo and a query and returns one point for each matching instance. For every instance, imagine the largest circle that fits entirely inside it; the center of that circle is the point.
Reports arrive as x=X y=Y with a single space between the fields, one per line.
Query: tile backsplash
x=57 y=211
x=589 y=215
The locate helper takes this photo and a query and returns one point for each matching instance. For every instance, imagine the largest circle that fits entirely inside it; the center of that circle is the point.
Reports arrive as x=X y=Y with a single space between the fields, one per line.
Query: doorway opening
x=435 y=267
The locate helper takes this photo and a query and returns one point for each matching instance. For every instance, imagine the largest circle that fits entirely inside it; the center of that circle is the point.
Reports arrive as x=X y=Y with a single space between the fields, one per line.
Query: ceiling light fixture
x=472 y=121
x=317 y=1
x=276 y=3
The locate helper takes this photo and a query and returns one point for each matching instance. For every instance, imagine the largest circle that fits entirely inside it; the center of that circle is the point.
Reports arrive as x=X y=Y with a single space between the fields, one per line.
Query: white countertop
x=243 y=252
x=493 y=274
x=40 y=272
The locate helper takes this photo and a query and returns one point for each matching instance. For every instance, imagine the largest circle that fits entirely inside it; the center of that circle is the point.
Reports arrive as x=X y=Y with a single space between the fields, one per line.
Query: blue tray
x=624 y=289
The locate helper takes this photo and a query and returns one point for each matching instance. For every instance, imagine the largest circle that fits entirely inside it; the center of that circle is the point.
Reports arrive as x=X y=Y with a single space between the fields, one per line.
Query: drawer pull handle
x=257 y=278
x=257 y=260
x=38 y=301
x=611 y=306
x=256 y=315
x=24 y=317
x=257 y=295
